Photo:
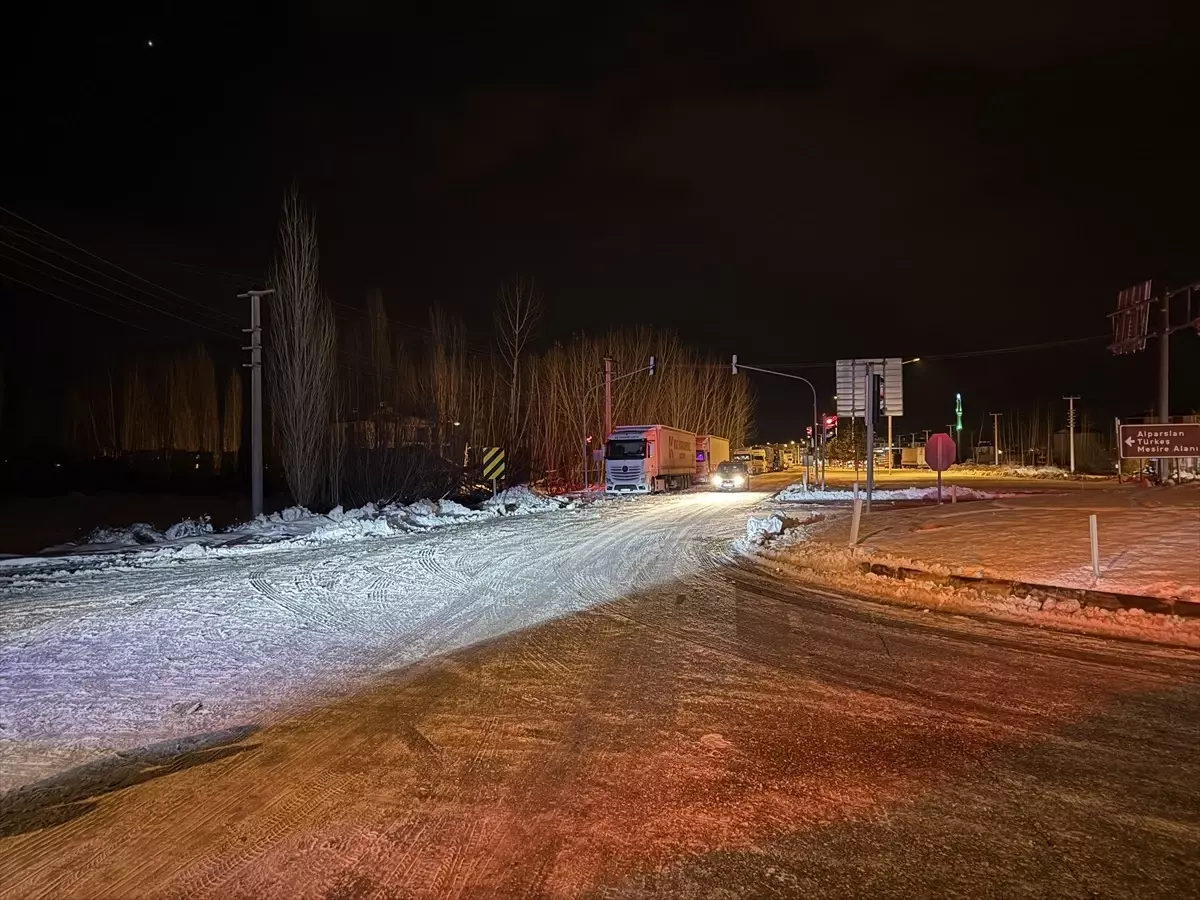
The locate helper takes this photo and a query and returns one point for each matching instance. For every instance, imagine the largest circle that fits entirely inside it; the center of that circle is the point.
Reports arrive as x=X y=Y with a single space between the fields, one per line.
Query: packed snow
x=970 y=552
x=123 y=648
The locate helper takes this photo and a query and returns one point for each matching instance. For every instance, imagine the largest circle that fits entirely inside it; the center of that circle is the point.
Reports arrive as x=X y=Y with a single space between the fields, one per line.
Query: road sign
x=1131 y=321
x=1160 y=441
x=940 y=452
x=493 y=462
x=853 y=388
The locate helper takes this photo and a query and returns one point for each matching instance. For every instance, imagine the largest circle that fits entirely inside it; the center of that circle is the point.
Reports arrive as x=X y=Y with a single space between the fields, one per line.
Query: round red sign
x=940 y=452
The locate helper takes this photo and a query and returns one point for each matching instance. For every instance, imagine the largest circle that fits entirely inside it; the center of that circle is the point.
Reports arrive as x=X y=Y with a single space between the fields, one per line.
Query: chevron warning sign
x=493 y=462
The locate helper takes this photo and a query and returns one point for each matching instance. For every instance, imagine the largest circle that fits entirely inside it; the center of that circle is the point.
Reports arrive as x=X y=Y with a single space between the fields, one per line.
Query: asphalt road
x=710 y=732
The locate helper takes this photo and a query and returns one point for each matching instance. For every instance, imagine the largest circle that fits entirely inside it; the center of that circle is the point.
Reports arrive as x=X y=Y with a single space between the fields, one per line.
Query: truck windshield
x=635 y=449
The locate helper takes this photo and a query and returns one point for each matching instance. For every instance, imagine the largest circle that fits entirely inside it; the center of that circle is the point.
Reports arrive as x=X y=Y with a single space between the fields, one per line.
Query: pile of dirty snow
x=520 y=500
x=797 y=493
x=141 y=533
x=194 y=538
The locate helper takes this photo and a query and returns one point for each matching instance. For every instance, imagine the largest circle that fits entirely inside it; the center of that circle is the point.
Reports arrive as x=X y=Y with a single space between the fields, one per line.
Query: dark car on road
x=731 y=475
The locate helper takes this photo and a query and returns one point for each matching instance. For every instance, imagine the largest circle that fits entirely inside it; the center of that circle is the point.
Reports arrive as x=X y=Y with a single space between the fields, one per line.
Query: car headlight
x=739 y=480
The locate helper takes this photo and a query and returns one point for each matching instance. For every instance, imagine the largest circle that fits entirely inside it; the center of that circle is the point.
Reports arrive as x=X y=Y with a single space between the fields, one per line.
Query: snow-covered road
x=119 y=654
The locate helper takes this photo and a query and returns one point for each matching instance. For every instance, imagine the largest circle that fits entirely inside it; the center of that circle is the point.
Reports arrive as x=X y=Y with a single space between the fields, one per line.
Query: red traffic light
x=830 y=421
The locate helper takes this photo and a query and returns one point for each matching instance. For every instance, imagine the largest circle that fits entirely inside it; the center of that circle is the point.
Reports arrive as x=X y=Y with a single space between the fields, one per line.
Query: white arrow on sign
x=1129 y=441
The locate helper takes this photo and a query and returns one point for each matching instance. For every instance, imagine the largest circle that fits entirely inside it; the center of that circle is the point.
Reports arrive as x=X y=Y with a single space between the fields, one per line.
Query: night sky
x=791 y=183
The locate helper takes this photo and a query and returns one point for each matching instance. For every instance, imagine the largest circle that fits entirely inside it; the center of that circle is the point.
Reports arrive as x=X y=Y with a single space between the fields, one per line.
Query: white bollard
x=855 y=517
x=1094 y=534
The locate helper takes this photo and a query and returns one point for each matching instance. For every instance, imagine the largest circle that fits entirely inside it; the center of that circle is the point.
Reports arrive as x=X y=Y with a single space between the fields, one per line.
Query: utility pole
x=607 y=396
x=870 y=408
x=996 y=437
x=256 y=408
x=1071 y=426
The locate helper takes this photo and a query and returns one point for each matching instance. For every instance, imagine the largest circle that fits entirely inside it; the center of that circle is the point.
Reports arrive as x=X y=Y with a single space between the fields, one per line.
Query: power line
x=103 y=274
x=74 y=303
x=966 y=354
x=102 y=287
x=93 y=255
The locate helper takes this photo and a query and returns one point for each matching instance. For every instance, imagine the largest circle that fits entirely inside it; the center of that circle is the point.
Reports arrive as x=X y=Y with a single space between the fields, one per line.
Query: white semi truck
x=645 y=459
x=711 y=451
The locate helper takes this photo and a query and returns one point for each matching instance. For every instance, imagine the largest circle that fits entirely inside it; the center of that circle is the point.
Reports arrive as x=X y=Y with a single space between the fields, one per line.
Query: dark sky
x=793 y=183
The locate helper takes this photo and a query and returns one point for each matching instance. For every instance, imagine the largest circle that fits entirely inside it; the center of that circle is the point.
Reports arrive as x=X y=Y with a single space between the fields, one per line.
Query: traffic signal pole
x=817 y=422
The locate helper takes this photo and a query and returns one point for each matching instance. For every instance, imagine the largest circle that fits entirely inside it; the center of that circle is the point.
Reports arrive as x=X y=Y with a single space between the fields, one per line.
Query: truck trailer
x=711 y=451
x=646 y=459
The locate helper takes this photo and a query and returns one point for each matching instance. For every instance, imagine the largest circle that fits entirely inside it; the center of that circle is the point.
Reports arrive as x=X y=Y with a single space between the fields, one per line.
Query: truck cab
x=645 y=459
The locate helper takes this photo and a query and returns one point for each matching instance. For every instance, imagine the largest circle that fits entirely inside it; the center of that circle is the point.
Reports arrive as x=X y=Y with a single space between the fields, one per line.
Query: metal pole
x=1071 y=427
x=891 y=451
x=607 y=397
x=1164 y=375
x=1094 y=535
x=256 y=408
x=869 y=423
x=996 y=437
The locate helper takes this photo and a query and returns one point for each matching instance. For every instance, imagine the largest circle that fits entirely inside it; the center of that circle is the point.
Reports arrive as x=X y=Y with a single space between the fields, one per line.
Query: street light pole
x=816 y=419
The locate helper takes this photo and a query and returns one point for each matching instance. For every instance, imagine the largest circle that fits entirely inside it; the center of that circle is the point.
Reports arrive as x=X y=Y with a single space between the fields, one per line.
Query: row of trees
x=370 y=415
x=371 y=412
x=156 y=404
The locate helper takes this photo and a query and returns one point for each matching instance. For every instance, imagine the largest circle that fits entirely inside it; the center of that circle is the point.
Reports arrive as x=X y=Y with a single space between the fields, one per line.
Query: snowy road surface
x=627 y=709
x=116 y=655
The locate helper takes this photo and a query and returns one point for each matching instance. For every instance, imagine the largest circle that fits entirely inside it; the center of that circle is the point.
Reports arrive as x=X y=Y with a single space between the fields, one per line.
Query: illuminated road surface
x=693 y=728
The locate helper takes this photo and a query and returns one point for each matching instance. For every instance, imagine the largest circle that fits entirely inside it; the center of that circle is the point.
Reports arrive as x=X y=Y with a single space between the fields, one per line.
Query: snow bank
x=520 y=500
x=196 y=538
x=139 y=533
x=760 y=529
x=1045 y=472
x=796 y=493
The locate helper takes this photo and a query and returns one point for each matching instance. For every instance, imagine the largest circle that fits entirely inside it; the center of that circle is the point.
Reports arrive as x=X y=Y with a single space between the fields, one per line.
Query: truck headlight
x=738 y=480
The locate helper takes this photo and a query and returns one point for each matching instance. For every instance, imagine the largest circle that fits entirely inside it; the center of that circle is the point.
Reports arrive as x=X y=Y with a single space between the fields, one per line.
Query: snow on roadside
x=1044 y=472
x=794 y=551
x=141 y=545
x=797 y=493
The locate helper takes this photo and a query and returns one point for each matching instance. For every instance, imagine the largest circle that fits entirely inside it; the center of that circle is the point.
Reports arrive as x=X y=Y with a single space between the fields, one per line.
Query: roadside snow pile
x=189 y=528
x=196 y=538
x=139 y=533
x=796 y=493
x=1043 y=472
x=520 y=500
x=760 y=529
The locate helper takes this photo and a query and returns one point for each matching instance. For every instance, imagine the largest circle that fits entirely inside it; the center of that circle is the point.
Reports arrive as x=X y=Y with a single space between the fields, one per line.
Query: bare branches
x=301 y=348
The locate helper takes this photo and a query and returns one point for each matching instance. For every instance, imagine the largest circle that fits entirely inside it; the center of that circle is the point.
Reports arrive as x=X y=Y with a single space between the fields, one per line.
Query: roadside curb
x=1003 y=587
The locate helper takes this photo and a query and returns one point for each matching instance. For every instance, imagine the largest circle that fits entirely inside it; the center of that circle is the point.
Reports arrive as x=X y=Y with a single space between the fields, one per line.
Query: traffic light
x=735 y=364
x=830 y=426
x=652 y=361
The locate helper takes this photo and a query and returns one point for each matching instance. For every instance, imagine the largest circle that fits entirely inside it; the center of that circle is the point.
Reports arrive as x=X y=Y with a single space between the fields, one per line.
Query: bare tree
x=517 y=315
x=301 y=351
